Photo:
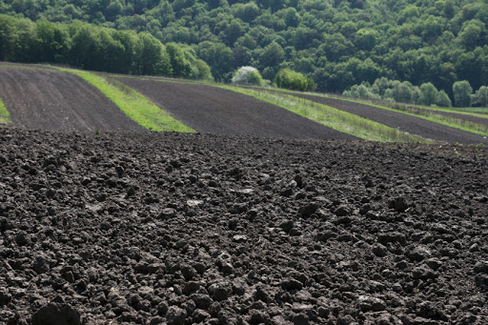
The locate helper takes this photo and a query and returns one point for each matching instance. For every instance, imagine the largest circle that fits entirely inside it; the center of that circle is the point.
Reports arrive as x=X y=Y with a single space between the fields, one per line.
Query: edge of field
x=333 y=118
x=426 y=114
x=152 y=117
x=136 y=106
x=325 y=115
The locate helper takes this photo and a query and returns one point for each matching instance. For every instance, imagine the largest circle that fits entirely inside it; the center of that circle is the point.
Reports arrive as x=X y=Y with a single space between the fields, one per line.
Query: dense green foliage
x=337 y=43
x=403 y=92
x=462 y=93
x=90 y=47
x=289 y=79
x=480 y=98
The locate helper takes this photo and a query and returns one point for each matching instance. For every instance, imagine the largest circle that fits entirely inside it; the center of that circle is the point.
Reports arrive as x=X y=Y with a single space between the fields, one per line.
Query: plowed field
x=131 y=228
x=58 y=101
x=167 y=228
x=218 y=111
x=410 y=124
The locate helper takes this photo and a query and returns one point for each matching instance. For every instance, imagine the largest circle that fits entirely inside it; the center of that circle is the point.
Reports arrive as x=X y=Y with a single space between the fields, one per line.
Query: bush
x=443 y=100
x=290 y=79
x=429 y=94
x=480 y=98
x=248 y=76
x=362 y=91
x=462 y=93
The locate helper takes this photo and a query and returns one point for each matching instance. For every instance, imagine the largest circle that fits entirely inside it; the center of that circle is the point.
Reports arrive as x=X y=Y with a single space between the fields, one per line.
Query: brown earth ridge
x=214 y=110
x=43 y=98
x=146 y=228
x=58 y=101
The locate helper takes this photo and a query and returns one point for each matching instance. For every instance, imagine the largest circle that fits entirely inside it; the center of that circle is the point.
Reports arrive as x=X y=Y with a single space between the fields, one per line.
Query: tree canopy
x=336 y=43
x=91 y=47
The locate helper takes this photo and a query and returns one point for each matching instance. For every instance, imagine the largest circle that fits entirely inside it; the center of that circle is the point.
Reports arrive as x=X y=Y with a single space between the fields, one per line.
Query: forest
x=96 y=48
x=340 y=45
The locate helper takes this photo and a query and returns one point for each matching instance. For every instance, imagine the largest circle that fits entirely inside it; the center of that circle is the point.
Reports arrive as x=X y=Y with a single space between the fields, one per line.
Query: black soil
x=407 y=123
x=199 y=229
x=58 y=101
x=218 y=111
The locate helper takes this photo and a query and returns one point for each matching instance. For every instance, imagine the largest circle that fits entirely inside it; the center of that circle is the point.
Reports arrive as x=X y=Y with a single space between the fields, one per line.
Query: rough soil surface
x=58 y=101
x=219 y=111
x=410 y=124
x=199 y=229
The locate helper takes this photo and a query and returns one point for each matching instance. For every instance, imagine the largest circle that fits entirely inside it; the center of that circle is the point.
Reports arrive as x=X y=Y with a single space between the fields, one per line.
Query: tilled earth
x=213 y=110
x=410 y=124
x=53 y=100
x=186 y=229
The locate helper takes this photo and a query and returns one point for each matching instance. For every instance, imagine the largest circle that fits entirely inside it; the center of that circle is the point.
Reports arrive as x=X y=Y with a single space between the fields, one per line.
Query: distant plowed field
x=213 y=110
x=411 y=124
x=45 y=98
x=58 y=101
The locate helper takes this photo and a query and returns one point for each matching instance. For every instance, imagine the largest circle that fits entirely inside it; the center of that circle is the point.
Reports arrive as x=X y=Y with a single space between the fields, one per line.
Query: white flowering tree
x=249 y=76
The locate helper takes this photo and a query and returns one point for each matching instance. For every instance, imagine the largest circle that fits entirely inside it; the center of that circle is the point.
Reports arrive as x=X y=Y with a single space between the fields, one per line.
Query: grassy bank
x=133 y=104
x=331 y=117
x=473 y=111
x=430 y=115
x=4 y=114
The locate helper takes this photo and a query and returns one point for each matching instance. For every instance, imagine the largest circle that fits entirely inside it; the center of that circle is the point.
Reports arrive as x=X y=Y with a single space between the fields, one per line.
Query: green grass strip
x=4 y=114
x=133 y=104
x=331 y=117
x=473 y=111
x=429 y=116
x=481 y=112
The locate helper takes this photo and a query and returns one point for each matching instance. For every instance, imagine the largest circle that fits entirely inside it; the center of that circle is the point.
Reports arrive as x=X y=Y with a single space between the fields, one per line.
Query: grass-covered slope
x=133 y=104
x=332 y=117
x=434 y=115
x=4 y=114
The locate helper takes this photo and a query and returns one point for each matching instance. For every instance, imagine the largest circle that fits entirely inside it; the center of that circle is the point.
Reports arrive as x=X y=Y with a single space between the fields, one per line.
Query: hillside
x=338 y=43
x=43 y=97
x=52 y=100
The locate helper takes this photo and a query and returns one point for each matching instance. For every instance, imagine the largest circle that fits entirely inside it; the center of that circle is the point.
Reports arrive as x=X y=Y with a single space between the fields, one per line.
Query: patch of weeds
x=4 y=114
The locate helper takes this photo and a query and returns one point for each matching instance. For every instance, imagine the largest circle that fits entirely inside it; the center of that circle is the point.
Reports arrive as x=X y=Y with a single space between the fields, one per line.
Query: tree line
x=427 y=94
x=335 y=43
x=91 y=47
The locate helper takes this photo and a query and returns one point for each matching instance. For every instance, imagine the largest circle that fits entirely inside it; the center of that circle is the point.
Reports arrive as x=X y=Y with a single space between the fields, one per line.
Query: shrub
x=462 y=93
x=429 y=94
x=290 y=79
x=480 y=98
x=443 y=99
x=362 y=91
x=247 y=76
